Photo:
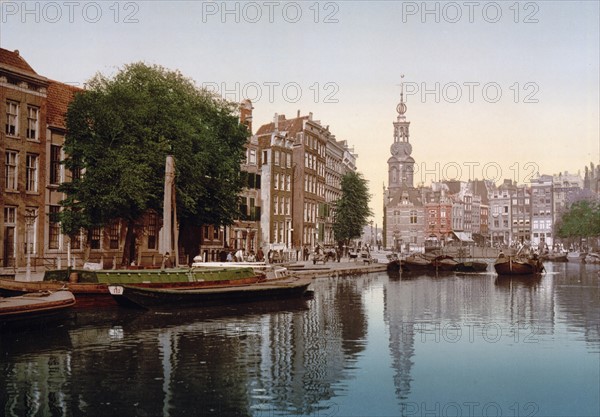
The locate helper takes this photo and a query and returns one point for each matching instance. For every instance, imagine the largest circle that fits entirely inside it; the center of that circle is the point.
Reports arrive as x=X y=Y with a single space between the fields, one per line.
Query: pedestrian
x=230 y=256
x=239 y=255
x=260 y=256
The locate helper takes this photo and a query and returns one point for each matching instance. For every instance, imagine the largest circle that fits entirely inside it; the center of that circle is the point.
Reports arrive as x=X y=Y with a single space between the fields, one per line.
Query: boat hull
x=91 y=288
x=216 y=295
x=471 y=266
x=511 y=266
x=34 y=306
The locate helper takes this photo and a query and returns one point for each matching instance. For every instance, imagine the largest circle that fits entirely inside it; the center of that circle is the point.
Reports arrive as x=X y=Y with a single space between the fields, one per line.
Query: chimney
x=276 y=121
x=298 y=114
x=246 y=114
x=310 y=116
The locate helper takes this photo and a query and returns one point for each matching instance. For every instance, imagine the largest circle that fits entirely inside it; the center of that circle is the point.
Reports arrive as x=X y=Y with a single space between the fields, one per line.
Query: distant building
x=521 y=215
x=542 y=207
x=500 y=222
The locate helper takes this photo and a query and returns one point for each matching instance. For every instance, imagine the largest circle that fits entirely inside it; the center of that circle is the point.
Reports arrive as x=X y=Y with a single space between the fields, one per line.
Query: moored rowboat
x=35 y=305
x=211 y=295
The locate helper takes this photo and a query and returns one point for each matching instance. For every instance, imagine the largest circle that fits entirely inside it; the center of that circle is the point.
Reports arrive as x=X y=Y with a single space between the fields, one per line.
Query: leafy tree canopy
x=352 y=209
x=582 y=219
x=119 y=132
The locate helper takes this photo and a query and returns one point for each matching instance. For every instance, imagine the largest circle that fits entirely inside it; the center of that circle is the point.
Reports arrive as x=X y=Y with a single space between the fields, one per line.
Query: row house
x=542 y=211
x=309 y=182
x=500 y=213
x=438 y=211
x=521 y=215
x=23 y=98
x=276 y=146
x=566 y=188
x=339 y=160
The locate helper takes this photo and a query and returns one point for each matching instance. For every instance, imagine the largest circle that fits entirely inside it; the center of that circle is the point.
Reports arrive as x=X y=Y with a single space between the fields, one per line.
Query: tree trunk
x=189 y=240
x=129 y=246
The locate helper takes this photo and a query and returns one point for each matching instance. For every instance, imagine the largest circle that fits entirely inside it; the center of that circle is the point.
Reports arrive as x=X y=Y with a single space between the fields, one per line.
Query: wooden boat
x=518 y=265
x=211 y=295
x=415 y=263
x=34 y=305
x=443 y=263
x=592 y=258
x=471 y=266
x=393 y=262
x=554 y=257
x=91 y=287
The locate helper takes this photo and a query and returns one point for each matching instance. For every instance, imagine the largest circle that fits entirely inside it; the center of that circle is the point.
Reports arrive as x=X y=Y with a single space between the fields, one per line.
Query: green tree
x=581 y=220
x=352 y=209
x=119 y=132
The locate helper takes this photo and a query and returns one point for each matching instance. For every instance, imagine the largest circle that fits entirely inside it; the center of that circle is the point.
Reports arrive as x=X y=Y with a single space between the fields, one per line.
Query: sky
x=494 y=90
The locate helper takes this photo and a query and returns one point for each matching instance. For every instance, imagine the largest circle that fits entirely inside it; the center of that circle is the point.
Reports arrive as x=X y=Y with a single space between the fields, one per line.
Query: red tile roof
x=14 y=59
x=58 y=99
x=292 y=126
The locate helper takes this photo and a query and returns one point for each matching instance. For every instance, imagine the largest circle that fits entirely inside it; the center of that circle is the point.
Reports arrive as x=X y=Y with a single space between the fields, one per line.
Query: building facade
x=23 y=108
x=404 y=209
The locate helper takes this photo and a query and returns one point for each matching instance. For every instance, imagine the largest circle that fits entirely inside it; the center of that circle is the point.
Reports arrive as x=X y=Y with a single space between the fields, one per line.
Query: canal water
x=370 y=345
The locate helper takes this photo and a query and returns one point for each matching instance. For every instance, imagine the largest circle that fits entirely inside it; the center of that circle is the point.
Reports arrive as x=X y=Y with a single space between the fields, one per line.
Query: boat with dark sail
x=210 y=295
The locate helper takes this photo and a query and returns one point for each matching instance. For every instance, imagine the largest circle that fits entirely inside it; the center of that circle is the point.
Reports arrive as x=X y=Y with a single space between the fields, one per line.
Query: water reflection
x=451 y=339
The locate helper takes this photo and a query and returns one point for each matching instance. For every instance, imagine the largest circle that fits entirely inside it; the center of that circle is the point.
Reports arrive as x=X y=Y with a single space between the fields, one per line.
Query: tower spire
x=401 y=107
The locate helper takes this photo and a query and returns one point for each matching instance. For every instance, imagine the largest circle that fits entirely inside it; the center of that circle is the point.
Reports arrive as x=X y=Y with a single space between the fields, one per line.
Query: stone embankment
x=333 y=269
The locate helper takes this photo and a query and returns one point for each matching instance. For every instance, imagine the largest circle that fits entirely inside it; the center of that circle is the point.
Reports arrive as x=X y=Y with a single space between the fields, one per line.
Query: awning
x=463 y=237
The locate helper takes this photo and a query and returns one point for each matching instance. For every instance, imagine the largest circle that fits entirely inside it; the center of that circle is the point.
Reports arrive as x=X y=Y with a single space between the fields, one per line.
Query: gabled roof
x=14 y=59
x=479 y=187
x=292 y=126
x=398 y=194
x=58 y=99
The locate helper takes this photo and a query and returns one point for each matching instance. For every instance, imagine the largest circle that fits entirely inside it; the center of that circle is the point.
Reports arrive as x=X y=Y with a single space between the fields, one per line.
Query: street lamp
x=30 y=216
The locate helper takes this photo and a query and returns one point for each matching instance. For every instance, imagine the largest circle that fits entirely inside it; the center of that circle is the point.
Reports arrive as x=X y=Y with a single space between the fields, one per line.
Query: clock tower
x=401 y=164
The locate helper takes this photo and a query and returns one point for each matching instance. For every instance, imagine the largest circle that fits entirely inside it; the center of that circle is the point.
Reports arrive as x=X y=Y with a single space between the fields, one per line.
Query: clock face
x=407 y=148
x=396 y=148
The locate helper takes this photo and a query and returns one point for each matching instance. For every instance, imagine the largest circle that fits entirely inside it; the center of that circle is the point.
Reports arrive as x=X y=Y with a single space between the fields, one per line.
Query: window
x=275 y=205
x=288 y=160
x=10 y=172
x=216 y=232
x=12 y=118
x=276 y=182
x=53 y=227
x=288 y=181
x=10 y=226
x=55 y=166
x=96 y=234
x=265 y=157
x=152 y=231
x=32 y=122
x=276 y=158
x=413 y=217
x=113 y=236
x=252 y=156
x=31 y=173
